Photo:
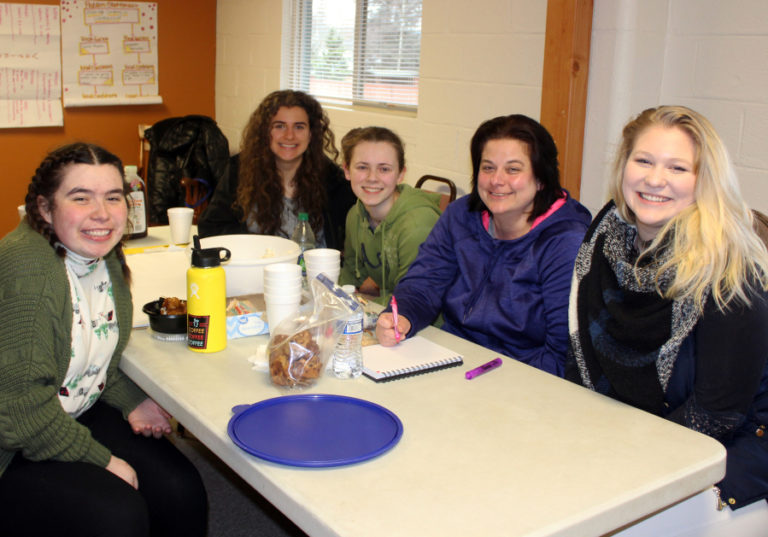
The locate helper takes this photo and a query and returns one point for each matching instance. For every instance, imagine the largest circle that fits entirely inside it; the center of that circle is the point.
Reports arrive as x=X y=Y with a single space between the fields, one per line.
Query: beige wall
x=482 y=59
x=116 y=127
x=479 y=60
x=709 y=55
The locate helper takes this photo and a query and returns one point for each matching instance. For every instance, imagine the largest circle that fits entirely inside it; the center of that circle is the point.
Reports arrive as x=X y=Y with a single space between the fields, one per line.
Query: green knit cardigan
x=35 y=351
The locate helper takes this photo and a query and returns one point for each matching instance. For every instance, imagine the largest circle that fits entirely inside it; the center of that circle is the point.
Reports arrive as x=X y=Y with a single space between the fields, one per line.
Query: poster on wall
x=109 y=53
x=30 y=66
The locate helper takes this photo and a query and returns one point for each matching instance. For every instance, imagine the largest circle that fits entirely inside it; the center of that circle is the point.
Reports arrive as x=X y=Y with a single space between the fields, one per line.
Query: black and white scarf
x=621 y=330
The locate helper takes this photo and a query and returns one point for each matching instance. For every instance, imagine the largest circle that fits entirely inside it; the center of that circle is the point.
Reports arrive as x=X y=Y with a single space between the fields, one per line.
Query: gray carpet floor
x=235 y=509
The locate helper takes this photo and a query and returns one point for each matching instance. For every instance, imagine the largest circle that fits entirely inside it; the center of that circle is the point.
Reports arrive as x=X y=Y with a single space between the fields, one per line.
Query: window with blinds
x=363 y=52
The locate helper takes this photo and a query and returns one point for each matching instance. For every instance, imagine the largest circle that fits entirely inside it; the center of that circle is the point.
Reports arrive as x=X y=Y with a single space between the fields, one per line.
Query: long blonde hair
x=714 y=245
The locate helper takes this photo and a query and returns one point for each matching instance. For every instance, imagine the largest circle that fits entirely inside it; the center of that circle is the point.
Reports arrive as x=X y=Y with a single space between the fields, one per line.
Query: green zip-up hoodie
x=384 y=254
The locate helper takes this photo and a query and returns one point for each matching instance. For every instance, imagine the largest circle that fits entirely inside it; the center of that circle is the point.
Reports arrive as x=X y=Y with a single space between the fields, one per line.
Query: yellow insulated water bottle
x=207 y=299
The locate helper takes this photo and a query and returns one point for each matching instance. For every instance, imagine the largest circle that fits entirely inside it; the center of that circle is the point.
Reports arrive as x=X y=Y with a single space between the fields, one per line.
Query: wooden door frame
x=564 y=83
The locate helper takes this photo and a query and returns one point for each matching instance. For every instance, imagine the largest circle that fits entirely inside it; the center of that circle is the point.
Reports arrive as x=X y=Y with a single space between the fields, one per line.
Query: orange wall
x=186 y=55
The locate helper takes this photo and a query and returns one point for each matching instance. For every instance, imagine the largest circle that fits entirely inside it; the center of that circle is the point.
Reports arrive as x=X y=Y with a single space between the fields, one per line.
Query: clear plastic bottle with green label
x=305 y=238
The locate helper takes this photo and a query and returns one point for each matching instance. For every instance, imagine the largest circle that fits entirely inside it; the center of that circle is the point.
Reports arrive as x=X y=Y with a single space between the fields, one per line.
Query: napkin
x=260 y=361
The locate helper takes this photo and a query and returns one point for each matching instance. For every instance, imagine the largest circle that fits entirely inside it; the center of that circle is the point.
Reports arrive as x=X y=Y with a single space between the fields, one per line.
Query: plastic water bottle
x=137 y=197
x=305 y=238
x=348 y=355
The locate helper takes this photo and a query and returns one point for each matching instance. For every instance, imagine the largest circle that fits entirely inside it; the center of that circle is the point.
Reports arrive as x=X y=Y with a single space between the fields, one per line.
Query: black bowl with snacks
x=163 y=322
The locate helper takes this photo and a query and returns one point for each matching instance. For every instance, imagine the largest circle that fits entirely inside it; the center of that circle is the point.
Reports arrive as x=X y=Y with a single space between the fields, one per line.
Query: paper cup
x=323 y=266
x=283 y=285
x=282 y=289
x=332 y=275
x=325 y=260
x=286 y=298
x=322 y=256
x=276 y=313
x=180 y=222
x=282 y=271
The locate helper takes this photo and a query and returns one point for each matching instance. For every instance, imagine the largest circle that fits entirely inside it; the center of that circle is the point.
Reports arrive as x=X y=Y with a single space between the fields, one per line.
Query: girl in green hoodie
x=390 y=219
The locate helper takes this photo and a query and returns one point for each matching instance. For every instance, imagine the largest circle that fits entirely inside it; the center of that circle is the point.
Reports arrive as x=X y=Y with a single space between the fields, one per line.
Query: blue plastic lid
x=315 y=430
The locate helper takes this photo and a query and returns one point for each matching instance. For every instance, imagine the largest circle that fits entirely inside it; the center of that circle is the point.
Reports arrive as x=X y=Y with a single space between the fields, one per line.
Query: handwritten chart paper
x=109 y=53
x=30 y=59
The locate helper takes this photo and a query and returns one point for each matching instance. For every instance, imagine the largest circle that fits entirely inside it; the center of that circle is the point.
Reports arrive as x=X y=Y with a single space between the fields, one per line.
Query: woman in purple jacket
x=499 y=261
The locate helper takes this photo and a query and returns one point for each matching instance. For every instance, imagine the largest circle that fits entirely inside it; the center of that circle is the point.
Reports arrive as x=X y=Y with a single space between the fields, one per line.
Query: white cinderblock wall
x=479 y=60
x=248 y=47
x=482 y=59
x=709 y=55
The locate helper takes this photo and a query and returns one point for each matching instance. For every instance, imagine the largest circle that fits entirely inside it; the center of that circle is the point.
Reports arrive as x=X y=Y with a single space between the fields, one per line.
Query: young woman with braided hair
x=81 y=447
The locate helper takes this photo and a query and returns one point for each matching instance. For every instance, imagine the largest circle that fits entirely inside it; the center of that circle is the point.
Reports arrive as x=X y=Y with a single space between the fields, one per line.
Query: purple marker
x=493 y=364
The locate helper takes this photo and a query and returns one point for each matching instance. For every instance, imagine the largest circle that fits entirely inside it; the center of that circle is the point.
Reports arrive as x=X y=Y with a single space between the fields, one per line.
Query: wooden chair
x=761 y=225
x=196 y=194
x=445 y=199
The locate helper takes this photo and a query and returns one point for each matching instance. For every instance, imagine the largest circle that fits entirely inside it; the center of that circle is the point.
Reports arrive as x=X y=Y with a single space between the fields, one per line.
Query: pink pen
x=393 y=303
x=493 y=364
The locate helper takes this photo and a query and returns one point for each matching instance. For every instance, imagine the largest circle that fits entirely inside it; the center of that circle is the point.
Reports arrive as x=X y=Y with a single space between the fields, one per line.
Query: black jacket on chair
x=190 y=146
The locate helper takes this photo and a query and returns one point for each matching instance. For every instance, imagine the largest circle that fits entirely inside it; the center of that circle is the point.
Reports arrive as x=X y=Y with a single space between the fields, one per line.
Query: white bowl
x=250 y=253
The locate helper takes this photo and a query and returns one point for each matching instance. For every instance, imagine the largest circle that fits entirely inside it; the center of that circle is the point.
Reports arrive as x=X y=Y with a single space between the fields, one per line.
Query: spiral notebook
x=412 y=356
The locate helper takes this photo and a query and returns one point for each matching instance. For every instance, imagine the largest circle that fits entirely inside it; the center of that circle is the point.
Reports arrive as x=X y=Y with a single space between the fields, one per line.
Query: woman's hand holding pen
x=385 y=329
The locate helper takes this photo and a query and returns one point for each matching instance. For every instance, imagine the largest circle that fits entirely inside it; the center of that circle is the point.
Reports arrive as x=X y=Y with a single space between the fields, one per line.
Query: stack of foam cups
x=325 y=260
x=282 y=291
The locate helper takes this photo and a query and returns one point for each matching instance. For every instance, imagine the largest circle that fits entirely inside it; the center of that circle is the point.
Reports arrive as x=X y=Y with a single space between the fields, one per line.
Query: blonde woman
x=669 y=309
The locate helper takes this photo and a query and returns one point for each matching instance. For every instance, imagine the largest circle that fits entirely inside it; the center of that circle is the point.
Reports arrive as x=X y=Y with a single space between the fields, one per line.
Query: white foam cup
x=323 y=266
x=279 y=312
x=276 y=280
x=281 y=303
x=282 y=288
x=286 y=297
x=276 y=272
x=332 y=275
x=322 y=260
x=279 y=293
x=180 y=222
x=321 y=254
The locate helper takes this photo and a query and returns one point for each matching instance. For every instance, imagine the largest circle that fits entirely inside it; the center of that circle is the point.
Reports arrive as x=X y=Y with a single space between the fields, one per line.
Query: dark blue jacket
x=722 y=369
x=507 y=295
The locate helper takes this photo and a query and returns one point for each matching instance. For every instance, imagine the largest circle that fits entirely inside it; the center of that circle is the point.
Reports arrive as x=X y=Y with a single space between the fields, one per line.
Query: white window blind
x=356 y=51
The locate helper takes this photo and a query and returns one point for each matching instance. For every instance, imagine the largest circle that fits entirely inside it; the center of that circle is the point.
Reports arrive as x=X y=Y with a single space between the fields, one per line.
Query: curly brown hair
x=47 y=180
x=259 y=182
